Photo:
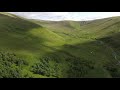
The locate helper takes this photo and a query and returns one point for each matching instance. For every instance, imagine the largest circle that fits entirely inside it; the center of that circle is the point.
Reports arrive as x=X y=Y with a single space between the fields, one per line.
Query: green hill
x=25 y=38
x=56 y=49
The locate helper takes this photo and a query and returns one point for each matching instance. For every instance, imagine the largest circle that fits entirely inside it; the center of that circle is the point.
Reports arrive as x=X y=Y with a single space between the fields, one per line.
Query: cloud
x=43 y=15
x=56 y=16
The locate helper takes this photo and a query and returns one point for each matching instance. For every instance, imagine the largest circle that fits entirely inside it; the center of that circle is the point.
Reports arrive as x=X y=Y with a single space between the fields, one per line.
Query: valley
x=31 y=48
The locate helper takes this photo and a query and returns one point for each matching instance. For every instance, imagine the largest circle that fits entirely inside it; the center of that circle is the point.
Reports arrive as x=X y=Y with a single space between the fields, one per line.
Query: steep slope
x=96 y=41
x=66 y=29
x=17 y=32
x=25 y=38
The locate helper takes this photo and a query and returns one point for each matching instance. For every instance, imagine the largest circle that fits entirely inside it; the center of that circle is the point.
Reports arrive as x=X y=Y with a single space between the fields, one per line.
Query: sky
x=58 y=16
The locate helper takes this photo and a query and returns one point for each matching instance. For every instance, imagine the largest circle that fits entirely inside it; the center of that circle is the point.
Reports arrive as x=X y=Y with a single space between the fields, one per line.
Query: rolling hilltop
x=59 y=49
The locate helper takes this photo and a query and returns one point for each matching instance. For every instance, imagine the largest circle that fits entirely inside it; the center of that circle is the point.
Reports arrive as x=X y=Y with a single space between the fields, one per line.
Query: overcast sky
x=56 y=16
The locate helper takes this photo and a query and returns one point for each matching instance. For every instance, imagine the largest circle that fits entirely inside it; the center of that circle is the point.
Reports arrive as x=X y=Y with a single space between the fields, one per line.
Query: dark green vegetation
x=43 y=49
x=52 y=67
x=10 y=65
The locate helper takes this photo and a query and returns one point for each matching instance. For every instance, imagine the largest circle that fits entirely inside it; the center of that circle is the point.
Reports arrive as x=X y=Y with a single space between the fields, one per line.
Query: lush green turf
x=26 y=38
x=60 y=49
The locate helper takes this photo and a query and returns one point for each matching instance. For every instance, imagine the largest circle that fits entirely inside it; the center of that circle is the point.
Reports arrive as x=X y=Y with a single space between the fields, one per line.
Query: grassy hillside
x=42 y=49
x=26 y=39
x=96 y=41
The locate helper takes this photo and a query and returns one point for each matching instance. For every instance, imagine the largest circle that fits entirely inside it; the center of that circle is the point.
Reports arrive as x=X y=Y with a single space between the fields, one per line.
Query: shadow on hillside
x=91 y=59
x=112 y=40
x=15 y=33
x=17 y=23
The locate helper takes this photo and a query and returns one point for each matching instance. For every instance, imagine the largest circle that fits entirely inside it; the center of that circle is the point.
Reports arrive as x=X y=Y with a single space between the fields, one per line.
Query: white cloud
x=43 y=15
x=66 y=15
